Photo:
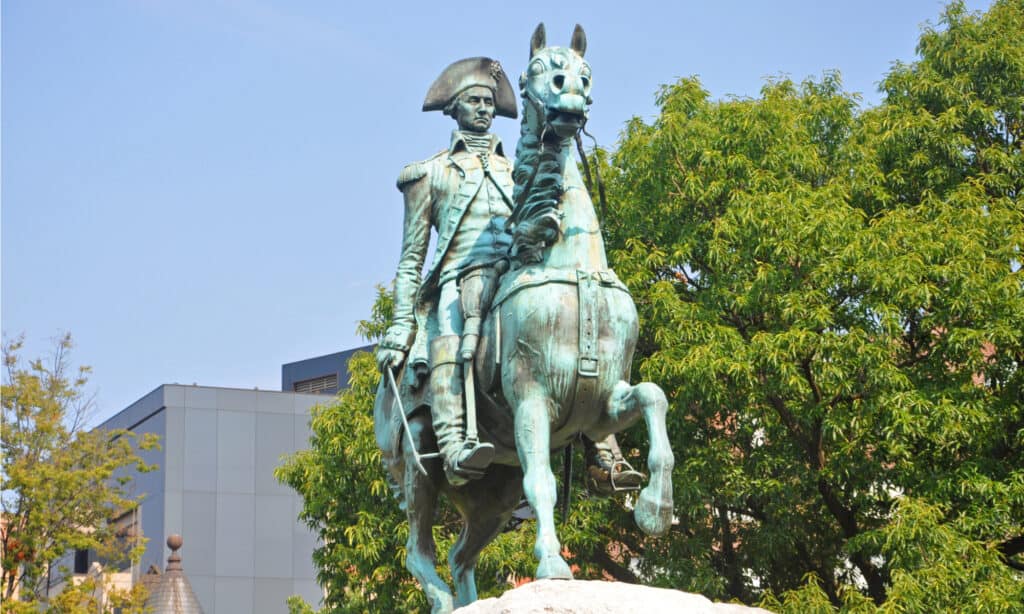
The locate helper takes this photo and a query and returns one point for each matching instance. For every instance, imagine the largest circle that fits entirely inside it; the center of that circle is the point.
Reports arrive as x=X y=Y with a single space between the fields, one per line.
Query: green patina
x=545 y=349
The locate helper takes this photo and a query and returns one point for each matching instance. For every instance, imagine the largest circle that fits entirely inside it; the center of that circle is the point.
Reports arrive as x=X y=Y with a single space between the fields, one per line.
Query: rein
x=597 y=169
x=539 y=109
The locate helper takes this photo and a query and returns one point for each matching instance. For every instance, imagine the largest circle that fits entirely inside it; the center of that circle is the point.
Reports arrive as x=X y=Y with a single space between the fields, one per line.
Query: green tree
x=61 y=486
x=832 y=299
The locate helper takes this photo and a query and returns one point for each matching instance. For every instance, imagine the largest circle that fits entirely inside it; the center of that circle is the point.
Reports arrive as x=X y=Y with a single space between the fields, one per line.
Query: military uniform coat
x=438 y=192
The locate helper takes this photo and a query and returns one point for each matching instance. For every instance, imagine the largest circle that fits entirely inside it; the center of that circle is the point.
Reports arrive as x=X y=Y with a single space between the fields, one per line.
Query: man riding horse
x=464 y=192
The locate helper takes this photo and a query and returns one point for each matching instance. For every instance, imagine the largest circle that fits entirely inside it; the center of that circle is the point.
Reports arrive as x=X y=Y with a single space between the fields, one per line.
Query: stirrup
x=476 y=456
x=629 y=478
x=620 y=477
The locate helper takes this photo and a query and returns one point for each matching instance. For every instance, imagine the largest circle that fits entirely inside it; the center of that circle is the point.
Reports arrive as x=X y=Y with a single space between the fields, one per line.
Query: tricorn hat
x=467 y=73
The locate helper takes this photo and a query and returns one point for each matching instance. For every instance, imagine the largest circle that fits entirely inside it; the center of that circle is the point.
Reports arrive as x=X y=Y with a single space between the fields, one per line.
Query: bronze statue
x=520 y=363
x=465 y=192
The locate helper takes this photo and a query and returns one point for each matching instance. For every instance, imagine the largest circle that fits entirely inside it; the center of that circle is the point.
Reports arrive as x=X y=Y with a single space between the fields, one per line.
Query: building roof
x=171 y=593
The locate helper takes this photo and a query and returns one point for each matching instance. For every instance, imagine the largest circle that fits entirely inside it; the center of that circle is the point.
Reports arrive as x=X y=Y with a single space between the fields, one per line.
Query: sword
x=416 y=456
x=467 y=377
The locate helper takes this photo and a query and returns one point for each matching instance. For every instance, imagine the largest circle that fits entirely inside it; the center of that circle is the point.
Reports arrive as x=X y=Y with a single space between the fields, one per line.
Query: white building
x=244 y=550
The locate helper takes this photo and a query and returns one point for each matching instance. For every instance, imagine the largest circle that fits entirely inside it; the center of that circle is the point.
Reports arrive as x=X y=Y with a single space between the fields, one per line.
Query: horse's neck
x=580 y=245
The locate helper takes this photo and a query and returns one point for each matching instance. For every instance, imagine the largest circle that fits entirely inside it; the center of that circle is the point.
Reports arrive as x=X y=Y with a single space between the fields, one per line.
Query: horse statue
x=553 y=359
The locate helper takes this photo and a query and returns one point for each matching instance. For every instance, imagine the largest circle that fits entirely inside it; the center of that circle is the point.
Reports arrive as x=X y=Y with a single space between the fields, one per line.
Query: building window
x=317 y=385
x=81 y=561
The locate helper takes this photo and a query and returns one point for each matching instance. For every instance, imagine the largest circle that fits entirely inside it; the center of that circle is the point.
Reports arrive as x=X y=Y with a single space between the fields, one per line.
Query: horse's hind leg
x=533 y=443
x=421 y=500
x=486 y=507
x=653 y=510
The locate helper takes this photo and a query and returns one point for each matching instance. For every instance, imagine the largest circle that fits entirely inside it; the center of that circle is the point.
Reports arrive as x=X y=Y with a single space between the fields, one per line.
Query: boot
x=463 y=460
x=607 y=470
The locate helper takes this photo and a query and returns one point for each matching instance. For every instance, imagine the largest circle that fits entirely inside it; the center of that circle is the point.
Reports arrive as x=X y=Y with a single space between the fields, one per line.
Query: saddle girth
x=586 y=389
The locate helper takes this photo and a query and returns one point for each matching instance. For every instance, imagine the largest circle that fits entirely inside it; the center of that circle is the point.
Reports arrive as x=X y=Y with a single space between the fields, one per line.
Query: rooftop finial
x=171 y=593
x=174 y=561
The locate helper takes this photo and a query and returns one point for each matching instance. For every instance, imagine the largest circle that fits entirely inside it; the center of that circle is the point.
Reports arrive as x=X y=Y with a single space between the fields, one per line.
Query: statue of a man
x=464 y=192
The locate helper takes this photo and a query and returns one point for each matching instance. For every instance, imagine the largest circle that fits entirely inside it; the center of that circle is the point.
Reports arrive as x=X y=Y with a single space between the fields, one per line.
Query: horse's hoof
x=553 y=568
x=652 y=513
x=441 y=603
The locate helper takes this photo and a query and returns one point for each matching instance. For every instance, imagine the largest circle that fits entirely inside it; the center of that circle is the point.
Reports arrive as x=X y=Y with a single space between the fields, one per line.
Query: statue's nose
x=565 y=83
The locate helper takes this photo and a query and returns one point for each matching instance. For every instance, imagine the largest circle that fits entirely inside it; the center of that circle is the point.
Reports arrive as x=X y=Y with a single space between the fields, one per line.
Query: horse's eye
x=536 y=68
x=586 y=82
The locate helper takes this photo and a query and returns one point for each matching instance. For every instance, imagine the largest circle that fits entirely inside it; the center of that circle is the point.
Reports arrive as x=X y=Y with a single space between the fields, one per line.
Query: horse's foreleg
x=486 y=507
x=420 y=493
x=653 y=511
x=533 y=441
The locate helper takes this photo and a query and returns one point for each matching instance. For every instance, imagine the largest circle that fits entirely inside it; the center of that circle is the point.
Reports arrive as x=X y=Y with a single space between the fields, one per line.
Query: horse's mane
x=538 y=188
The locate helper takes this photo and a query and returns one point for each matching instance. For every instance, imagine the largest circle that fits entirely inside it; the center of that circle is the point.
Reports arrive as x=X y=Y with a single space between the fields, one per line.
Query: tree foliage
x=832 y=298
x=62 y=485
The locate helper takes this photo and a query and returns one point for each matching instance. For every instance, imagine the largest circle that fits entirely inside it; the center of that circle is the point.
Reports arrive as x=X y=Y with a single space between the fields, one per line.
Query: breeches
x=449 y=310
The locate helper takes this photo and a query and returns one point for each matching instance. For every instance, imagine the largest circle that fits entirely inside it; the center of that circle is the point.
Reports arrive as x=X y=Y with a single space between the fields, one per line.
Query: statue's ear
x=579 y=40
x=539 y=40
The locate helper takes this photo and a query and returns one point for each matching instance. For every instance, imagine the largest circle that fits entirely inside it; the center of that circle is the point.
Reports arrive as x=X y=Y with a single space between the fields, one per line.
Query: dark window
x=326 y=383
x=81 y=561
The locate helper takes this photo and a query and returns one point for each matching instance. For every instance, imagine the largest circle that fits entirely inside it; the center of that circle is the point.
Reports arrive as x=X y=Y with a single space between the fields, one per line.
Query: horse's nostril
x=559 y=81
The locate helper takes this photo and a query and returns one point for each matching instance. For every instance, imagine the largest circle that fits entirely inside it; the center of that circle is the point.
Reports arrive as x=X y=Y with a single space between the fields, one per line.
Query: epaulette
x=411 y=173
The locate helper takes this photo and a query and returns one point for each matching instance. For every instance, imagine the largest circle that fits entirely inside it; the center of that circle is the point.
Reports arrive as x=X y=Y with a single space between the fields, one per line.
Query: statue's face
x=558 y=78
x=474 y=109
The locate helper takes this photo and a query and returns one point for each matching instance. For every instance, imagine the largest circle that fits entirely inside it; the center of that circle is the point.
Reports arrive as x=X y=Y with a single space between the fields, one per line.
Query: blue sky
x=200 y=191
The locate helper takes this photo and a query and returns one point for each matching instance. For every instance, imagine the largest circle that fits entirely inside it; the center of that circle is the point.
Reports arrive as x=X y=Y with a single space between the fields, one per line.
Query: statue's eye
x=536 y=68
x=586 y=82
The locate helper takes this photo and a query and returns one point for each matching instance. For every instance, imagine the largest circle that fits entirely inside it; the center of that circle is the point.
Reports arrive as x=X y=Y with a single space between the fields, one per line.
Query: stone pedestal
x=596 y=597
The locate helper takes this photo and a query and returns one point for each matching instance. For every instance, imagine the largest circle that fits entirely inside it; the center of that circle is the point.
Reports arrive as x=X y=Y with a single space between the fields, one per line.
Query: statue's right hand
x=388 y=358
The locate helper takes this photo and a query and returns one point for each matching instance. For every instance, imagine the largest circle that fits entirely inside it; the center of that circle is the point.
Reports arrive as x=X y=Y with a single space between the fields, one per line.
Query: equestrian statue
x=519 y=339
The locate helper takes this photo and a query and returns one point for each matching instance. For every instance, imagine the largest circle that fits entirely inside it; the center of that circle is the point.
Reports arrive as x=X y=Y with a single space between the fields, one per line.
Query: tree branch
x=741 y=511
x=1010 y=548
x=825 y=576
x=614 y=568
x=625 y=538
x=728 y=552
x=787 y=417
x=805 y=365
x=847 y=520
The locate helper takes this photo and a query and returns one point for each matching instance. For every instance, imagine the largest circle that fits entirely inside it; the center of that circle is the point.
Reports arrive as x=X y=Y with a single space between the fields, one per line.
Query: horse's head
x=556 y=84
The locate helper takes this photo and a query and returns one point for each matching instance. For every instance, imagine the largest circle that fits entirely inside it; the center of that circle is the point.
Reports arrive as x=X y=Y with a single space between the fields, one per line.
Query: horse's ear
x=539 y=40
x=579 y=40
